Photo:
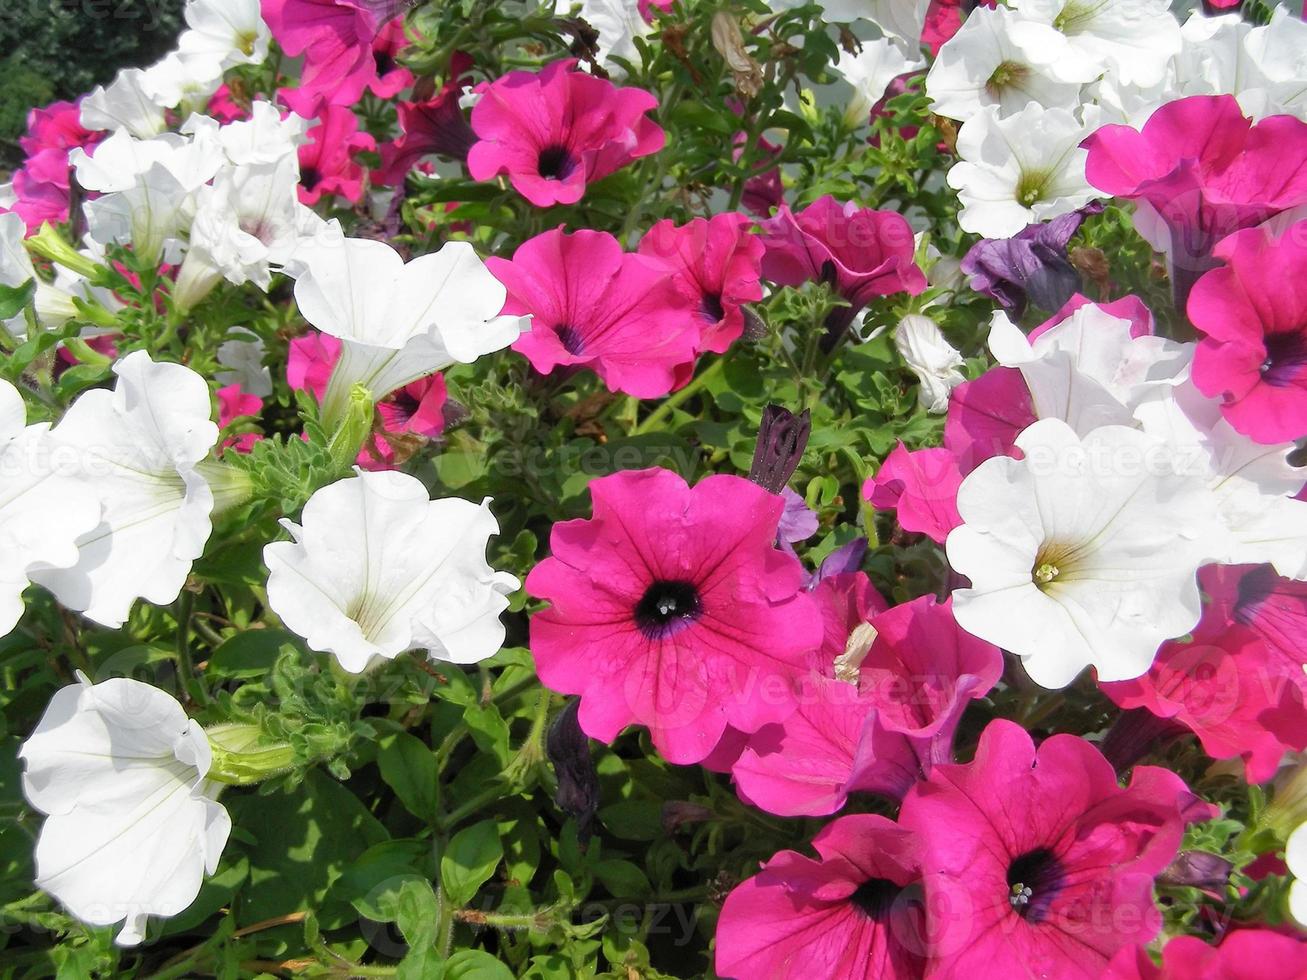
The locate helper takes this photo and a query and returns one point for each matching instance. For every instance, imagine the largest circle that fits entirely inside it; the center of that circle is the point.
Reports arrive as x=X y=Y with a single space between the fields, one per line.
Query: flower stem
x=677 y=398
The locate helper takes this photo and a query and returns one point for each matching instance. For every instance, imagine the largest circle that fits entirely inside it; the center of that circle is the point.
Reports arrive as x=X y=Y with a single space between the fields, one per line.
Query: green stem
x=678 y=398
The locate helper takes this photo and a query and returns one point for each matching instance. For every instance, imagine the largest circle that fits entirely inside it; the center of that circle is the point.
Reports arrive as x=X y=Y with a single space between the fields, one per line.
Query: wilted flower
x=932 y=359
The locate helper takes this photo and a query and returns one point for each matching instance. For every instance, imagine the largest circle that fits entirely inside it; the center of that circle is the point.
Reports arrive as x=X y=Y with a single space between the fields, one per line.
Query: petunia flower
x=44 y=510
x=1252 y=314
x=1041 y=863
x=1242 y=954
x=139 y=450
x=855 y=913
x=436 y=125
x=230 y=31
x=860 y=252
x=397 y=322
x=619 y=23
x=557 y=130
x=335 y=38
x=871 y=71
x=1273 y=607
x=132 y=824
x=327 y=160
x=921 y=487
x=981 y=65
x=53 y=306
x=1200 y=171
x=124 y=104
x=621 y=315
x=234 y=404
x=1134 y=40
x=1015 y=170
x=932 y=359
x=715 y=263
x=377 y=567
x=985 y=416
x=409 y=416
x=672 y=608
x=1084 y=552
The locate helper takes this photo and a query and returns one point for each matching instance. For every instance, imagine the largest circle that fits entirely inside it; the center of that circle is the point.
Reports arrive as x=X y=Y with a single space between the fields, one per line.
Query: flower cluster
x=833 y=470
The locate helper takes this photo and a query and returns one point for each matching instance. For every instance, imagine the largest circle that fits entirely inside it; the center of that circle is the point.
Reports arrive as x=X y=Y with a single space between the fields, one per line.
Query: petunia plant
x=757 y=489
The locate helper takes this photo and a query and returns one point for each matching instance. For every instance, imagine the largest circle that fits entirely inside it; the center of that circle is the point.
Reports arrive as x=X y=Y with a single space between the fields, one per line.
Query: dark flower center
x=570 y=338
x=555 y=163
x=384 y=62
x=1034 y=880
x=405 y=406
x=667 y=607
x=875 y=898
x=310 y=177
x=1286 y=358
x=711 y=307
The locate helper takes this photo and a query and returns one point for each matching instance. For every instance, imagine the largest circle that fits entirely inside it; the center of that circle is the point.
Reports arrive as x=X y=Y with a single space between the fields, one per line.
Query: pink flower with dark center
x=672 y=608
x=1045 y=863
x=1252 y=314
x=715 y=262
x=233 y=405
x=391 y=77
x=921 y=487
x=1200 y=171
x=1229 y=689
x=556 y=130
x=859 y=252
x=595 y=306
x=434 y=126
x=336 y=39
x=986 y=415
x=1244 y=954
x=854 y=913
x=1273 y=607
x=327 y=164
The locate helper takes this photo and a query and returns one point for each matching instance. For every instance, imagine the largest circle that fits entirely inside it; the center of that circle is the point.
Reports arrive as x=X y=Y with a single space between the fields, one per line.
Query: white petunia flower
x=132 y=825
x=54 y=306
x=265 y=137
x=1087 y=370
x=1263 y=67
x=137 y=449
x=1252 y=483
x=242 y=356
x=1078 y=40
x=932 y=359
x=377 y=568
x=1295 y=856
x=1021 y=169
x=1083 y=553
x=183 y=82
x=231 y=32
x=398 y=322
x=42 y=510
x=126 y=104
x=619 y=23
x=900 y=20
x=870 y=72
x=981 y=66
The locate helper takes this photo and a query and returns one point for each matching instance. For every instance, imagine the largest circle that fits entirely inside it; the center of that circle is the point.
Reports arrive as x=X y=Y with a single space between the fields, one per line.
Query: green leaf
x=471 y=858
x=475 y=964
x=251 y=653
x=417 y=913
x=14 y=299
x=622 y=879
x=409 y=768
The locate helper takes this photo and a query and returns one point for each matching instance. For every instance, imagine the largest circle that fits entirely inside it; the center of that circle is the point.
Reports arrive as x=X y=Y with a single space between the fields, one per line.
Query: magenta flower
x=854 y=913
x=310 y=360
x=1229 y=689
x=985 y=416
x=41 y=185
x=1244 y=954
x=921 y=487
x=595 y=306
x=327 y=164
x=1273 y=607
x=859 y=252
x=671 y=608
x=1130 y=308
x=847 y=599
x=556 y=130
x=335 y=38
x=1252 y=314
x=390 y=77
x=1200 y=171
x=1046 y=862
x=715 y=262
x=234 y=405
x=434 y=126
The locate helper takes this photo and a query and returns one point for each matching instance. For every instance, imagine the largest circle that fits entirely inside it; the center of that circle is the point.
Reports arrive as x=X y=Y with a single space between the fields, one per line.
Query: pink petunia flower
x=716 y=263
x=1045 y=863
x=1244 y=954
x=847 y=599
x=1229 y=689
x=1130 y=308
x=337 y=40
x=921 y=487
x=391 y=77
x=1200 y=171
x=854 y=913
x=433 y=126
x=310 y=360
x=235 y=404
x=986 y=415
x=859 y=252
x=1273 y=607
x=557 y=130
x=1252 y=314
x=224 y=108
x=327 y=164
x=671 y=608
x=41 y=185
x=595 y=306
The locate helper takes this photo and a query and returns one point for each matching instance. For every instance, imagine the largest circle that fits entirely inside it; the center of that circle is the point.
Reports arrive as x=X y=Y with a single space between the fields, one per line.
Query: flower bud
x=782 y=437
